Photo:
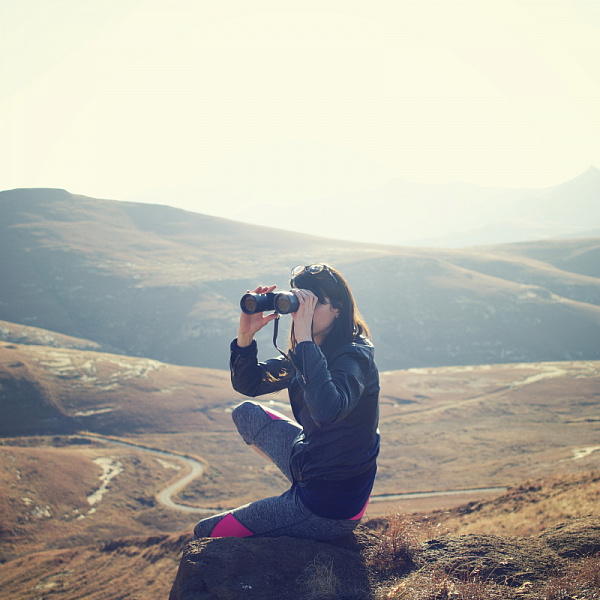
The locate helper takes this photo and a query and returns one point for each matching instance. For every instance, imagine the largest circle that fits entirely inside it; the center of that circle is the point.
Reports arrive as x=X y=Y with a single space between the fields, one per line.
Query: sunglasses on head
x=313 y=270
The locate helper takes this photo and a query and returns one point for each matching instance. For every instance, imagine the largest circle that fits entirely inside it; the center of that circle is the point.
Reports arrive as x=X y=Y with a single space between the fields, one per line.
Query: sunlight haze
x=237 y=107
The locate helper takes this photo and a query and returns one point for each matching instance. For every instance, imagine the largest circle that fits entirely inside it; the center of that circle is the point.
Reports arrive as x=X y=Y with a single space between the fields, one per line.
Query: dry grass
x=531 y=507
x=525 y=510
x=319 y=580
x=439 y=585
x=580 y=580
x=135 y=568
x=398 y=543
x=44 y=505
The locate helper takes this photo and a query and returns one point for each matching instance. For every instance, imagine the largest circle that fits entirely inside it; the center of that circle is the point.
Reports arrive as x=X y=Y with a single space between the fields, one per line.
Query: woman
x=329 y=453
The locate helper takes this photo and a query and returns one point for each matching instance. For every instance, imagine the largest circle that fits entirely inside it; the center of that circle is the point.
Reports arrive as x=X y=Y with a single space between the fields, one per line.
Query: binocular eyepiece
x=281 y=302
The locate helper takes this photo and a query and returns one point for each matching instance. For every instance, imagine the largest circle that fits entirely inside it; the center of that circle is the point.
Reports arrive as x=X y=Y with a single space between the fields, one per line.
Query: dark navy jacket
x=334 y=397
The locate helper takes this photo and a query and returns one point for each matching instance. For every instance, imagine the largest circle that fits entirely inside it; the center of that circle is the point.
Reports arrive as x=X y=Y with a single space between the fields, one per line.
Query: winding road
x=165 y=497
x=196 y=467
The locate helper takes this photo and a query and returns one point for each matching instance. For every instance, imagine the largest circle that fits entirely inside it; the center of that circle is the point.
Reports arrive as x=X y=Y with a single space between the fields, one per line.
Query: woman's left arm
x=331 y=391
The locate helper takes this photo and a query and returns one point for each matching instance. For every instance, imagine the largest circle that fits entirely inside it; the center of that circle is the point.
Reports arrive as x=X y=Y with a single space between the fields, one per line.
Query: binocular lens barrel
x=286 y=303
x=283 y=303
x=254 y=303
x=248 y=304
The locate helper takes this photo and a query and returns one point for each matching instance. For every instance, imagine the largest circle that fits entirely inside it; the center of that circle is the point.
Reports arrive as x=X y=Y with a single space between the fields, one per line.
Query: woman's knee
x=203 y=529
x=249 y=419
x=241 y=411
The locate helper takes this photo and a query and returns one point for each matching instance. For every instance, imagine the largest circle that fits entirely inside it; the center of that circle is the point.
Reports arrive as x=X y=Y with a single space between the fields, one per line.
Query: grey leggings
x=274 y=434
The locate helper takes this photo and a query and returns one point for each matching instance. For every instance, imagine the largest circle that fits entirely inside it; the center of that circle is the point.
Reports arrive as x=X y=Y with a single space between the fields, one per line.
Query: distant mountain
x=401 y=212
x=507 y=231
x=162 y=283
x=470 y=215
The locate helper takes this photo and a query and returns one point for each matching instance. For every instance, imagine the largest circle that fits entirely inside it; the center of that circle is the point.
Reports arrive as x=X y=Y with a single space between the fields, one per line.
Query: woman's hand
x=303 y=317
x=251 y=324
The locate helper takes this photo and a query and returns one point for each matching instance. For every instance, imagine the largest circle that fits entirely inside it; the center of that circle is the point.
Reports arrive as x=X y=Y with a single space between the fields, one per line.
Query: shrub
x=397 y=546
x=320 y=580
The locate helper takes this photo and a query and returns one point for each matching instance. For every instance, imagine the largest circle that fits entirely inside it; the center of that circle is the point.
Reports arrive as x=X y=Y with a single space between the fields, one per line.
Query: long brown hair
x=329 y=284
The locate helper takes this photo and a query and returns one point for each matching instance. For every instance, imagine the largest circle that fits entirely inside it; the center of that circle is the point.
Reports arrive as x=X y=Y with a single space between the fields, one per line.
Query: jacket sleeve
x=330 y=392
x=251 y=378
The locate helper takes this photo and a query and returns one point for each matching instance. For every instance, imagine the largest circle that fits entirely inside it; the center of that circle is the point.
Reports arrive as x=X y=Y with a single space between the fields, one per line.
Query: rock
x=575 y=538
x=267 y=568
x=294 y=569
x=507 y=561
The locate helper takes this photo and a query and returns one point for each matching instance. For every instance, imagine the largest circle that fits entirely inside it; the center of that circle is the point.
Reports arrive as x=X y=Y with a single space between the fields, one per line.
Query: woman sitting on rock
x=329 y=452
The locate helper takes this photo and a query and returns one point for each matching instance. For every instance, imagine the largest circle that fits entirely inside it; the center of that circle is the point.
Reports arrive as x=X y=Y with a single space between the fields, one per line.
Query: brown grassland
x=444 y=429
x=510 y=447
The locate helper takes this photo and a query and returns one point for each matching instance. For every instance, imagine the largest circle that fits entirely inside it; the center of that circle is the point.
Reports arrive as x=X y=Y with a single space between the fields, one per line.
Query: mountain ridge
x=95 y=293
x=159 y=282
x=402 y=212
x=493 y=215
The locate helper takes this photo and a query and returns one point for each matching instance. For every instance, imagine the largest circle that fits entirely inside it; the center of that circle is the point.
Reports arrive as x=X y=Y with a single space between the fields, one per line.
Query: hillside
x=115 y=326
x=71 y=492
x=526 y=509
x=48 y=390
x=493 y=425
x=23 y=334
x=83 y=517
x=161 y=283
x=405 y=556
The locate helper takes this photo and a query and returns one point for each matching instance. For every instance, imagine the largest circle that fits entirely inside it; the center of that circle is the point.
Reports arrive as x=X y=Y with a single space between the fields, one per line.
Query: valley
x=452 y=429
x=450 y=435
x=115 y=399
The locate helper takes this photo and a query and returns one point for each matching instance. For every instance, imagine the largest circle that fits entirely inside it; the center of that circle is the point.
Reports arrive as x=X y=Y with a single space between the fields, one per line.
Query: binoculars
x=281 y=302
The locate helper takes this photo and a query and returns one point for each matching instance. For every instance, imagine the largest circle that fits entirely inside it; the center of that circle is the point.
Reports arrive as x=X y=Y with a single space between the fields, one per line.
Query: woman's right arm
x=248 y=376
x=251 y=378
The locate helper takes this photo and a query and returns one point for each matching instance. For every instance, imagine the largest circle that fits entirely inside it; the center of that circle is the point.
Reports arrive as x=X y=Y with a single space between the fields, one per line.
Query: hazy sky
x=277 y=100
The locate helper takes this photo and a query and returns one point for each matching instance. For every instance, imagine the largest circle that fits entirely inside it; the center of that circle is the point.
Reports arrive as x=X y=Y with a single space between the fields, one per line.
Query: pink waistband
x=362 y=512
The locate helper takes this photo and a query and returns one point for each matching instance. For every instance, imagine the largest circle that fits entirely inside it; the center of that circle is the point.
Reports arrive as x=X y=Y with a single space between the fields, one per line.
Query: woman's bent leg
x=269 y=431
x=274 y=517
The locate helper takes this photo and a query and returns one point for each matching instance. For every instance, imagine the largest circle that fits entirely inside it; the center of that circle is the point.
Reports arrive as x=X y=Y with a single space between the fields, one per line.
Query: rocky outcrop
x=261 y=568
x=506 y=561
x=573 y=539
x=267 y=568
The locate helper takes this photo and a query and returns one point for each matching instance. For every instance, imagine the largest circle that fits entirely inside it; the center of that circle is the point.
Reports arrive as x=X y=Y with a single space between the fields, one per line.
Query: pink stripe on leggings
x=276 y=416
x=229 y=526
x=362 y=512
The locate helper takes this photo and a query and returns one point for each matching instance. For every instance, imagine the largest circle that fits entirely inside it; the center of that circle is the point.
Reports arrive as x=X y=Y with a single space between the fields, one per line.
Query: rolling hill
x=161 y=283
x=45 y=390
x=116 y=321
x=444 y=428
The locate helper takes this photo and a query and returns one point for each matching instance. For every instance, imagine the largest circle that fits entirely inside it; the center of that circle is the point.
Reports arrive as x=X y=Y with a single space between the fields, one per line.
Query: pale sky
x=248 y=102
